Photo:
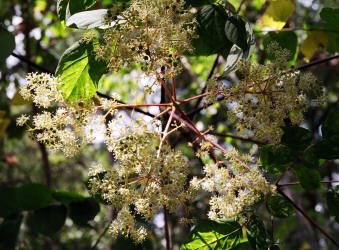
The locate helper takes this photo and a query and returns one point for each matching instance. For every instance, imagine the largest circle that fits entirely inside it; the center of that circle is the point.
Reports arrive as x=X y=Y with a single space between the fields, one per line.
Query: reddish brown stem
x=167 y=235
x=297 y=183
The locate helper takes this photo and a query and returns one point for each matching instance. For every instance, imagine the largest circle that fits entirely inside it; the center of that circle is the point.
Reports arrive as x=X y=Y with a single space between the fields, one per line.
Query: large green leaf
x=66 y=8
x=66 y=197
x=34 y=196
x=7 y=44
x=9 y=230
x=332 y=198
x=80 y=71
x=275 y=159
x=279 y=207
x=310 y=159
x=11 y=203
x=328 y=148
x=48 y=220
x=330 y=127
x=309 y=178
x=296 y=138
x=330 y=15
x=286 y=40
x=87 y=19
x=211 y=30
x=81 y=212
x=235 y=31
x=215 y=235
x=256 y=233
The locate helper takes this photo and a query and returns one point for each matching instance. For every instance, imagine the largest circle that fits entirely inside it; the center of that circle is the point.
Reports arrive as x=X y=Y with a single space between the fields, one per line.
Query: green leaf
x=87 y=19
x=279 y=207
x=277 y=13
x=34 y=196
x=310 y=159
x=7 y=44
x=330 y=127
x=215 y=235
x=80 y=71
x=286 y=40
x=81 y=212
x=330 y=15
x=66 y=197
x=256 y=233
x=296 y=138
x=61 y=9
x=332 y=199
x=66 y=8
x=275 y=159
x=237 y=53
x=9 y=230
x=309 y=178
x=235 y=31
x=211 y=30
x=11 y=204
x=328 y=148
x=48 y=220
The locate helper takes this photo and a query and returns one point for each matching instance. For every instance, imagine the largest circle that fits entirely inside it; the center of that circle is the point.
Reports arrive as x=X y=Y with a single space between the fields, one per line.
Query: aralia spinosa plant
x=151 y=175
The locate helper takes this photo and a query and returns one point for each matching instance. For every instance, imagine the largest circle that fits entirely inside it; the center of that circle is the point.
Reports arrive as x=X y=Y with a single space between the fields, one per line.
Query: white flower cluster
x=153 y=33
x=234 y=186
x=143 y=183
x=265 y=97
x=42 y=89
x=70 y=124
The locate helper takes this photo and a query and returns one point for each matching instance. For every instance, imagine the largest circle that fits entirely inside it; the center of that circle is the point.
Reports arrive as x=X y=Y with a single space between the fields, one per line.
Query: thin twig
x=215 y=64
x=241 y=4
x=34 y=65
x=308 y=217
x=298 y=183
x=167 y=235
x=100 y=236
x=238 y=138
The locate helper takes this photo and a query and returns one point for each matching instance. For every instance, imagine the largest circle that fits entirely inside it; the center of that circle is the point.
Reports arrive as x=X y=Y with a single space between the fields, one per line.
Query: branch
x=297 y=183
x=130 y=108
x=100 y=236
x=313 y=223
x=215 y=64
x=34 y=65
x=238 y=138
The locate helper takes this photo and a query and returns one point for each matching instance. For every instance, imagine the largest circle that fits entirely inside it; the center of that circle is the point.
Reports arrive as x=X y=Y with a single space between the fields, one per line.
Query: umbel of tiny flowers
x=143 y=183
x=265 y=97
x=235 y=185
x=70 y=124
x=153 y=33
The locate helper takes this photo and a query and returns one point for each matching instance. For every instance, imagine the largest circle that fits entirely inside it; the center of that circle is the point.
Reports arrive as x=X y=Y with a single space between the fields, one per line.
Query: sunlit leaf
x=215 y=235
x=311 y=43
x=87 y=19
x=80 y=71
x=277 y=13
